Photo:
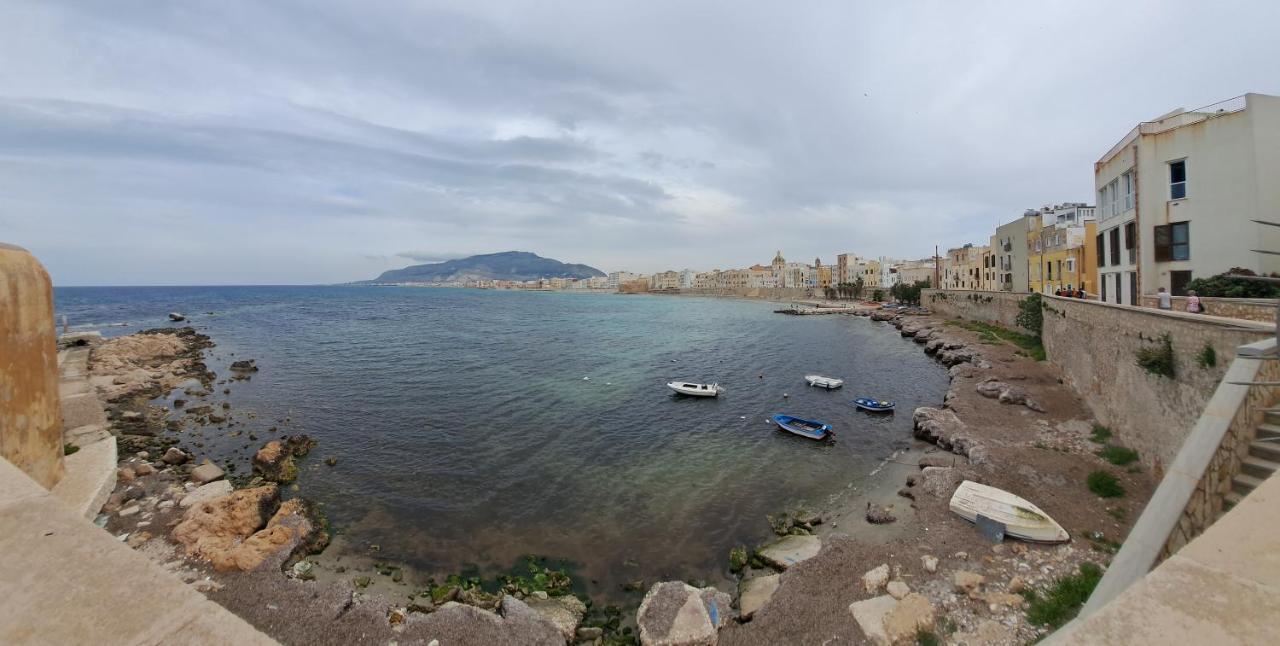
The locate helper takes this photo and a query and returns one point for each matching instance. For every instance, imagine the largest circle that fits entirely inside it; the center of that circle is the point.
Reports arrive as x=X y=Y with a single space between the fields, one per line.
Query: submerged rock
x=275 y=463
x=675 y=613
x=879 y=514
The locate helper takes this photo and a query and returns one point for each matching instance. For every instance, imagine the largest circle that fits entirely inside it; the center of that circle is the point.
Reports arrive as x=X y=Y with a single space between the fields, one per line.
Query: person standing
x=1193 y=303
x=1164 y=302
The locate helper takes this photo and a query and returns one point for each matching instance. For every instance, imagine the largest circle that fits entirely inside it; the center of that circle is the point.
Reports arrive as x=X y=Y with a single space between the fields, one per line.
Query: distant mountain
x=508 y=265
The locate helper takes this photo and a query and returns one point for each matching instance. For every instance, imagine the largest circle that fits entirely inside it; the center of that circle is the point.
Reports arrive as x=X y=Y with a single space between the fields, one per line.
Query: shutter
x=1163 y=239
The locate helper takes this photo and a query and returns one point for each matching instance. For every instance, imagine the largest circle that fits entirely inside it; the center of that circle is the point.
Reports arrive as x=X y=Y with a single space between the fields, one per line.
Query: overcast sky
x=227 y=142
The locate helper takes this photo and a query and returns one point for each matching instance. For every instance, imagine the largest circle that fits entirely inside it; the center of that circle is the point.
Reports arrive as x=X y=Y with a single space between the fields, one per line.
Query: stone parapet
x=1247 y=309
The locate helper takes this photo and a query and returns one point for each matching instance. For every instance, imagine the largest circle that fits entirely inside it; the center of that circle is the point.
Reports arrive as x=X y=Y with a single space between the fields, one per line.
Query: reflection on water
x=466 y=433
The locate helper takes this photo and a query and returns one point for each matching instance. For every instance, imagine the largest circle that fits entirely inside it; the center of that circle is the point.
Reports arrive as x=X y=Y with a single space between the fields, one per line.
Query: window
x=1106 y=278
x=1133 y=287
x=1102 y=202
x=1178 y=282
x=1178 y=179
x=1131 y=241
x=1102 y=255
x=1128 y=190
x=1071 y=265
x=1173 y=242
x=1115 y=246
x=1050 y=276
x=1115 y=196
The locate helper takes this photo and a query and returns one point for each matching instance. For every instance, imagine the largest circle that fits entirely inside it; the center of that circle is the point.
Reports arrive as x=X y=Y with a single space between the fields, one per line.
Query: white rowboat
x=1021 y=519
x=819 y=381
x=695 y=390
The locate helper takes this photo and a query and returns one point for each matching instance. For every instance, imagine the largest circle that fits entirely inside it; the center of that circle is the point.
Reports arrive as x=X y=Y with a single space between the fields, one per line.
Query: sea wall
x=1249 y=309
x=1000 y=308
x=30 y=416
x=1096 y=346
x=763 y=293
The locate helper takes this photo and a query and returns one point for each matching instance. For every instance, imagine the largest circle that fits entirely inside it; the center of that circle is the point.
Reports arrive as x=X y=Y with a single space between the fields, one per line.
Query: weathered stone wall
x=30 y=417
x=1000 y=308
x=762 y=293
x=1206 y=502
x=1096 y=345
x=1249 y=309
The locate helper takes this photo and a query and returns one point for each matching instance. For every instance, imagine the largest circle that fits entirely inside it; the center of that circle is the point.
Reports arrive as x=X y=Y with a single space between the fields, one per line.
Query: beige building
x=1177 y=197
x=911 y=272
x=963 y=268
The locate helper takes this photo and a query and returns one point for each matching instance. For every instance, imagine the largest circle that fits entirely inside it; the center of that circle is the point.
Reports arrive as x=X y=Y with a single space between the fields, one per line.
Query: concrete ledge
x=90 y=478
x=65 y=581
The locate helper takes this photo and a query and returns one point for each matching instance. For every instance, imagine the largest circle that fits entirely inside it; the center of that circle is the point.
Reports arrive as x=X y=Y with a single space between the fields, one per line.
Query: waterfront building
x=1177 y=197
x=911 y=272
x=963 y=268
x=846 y=268
x=1064 y=257
x=616 y=278
x=1010 y=246
x=665 y=280
x=687 y=278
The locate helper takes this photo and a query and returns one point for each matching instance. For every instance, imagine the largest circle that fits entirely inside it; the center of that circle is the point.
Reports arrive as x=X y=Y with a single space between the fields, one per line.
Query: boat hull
x=1021 y=519
x=874 y=406
x=829 y=383
x=695 y=390
x=804 y=428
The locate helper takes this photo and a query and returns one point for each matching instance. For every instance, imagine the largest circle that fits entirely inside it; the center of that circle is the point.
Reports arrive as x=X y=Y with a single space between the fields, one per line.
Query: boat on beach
x=1021 y=519
x=874 y=405
x=811 y=429
x=818 y=381
x=695 y=390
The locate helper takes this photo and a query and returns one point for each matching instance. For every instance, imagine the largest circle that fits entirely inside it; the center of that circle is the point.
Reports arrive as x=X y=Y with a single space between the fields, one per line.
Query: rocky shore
x=883 y=563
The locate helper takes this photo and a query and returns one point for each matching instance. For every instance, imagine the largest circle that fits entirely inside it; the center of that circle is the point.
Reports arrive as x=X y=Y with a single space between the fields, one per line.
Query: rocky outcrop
x=246 y=365
x=940 y=481
x=212 y=530
x=1006 y=394
x=274 y=463
x=675 y=613
x=942 y=427
x=564 y=612
x=206 y=493
x=206 y=472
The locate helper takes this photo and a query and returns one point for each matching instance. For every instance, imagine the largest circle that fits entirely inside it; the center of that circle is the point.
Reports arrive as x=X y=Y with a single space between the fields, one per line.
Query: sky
x=316 y=141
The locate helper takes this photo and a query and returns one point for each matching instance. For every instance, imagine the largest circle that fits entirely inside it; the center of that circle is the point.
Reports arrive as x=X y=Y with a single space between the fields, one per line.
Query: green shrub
x=1031 y=314
x=1223 y=285
x=1104 y=485
x=1100 y=434
x=1158 y=359
x=68 y=448
x=927 y=638
x=1118 y=455
x=1208 y=357
x=1062 y=602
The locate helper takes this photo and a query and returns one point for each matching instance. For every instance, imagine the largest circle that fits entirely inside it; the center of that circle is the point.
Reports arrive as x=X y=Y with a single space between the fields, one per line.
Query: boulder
x=897 y=589
x=870 y=615
x=940 y=460
x=790 y=550
x=174 y=456
x=754 y=593
x=991 y=388
x=968 y=582
x=207 y=492
x=909 y=616
x=675 y=613
x=875 y=579
x=929 y=563
x=933 y=346
x=212 y=530
x=246 y=365
x=274 y=462
x=879 y=514
x=299 y=445
x=206 y=472
x=1016 y=584
x=564 y=612
x=144 y=469
x=937 y=425
x=940 y=481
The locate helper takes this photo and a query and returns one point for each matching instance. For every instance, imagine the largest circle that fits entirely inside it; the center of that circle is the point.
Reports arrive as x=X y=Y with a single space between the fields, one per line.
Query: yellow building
x=1063 y=258
x=963 y=267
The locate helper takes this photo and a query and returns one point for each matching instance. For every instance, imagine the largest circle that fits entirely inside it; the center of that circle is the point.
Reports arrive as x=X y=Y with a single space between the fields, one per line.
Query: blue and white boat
x=803 y=427
x=874 y=405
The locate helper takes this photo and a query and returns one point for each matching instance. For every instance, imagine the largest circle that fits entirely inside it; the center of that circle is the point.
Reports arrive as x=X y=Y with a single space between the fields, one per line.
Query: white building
x=687 y=278
x=618 y=277
x=1177 y=196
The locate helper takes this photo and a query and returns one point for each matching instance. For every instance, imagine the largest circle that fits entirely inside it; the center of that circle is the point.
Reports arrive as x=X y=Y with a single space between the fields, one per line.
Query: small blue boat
x=803 y=427
x=874 y=405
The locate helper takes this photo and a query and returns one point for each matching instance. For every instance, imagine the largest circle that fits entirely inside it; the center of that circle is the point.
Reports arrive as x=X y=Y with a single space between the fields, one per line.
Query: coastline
x=844 y=533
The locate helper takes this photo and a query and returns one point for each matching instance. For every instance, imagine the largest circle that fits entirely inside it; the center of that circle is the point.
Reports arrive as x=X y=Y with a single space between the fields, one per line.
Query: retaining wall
x=763 y=293
x=1249 y=309
x=1000 y=308
x=30 y=417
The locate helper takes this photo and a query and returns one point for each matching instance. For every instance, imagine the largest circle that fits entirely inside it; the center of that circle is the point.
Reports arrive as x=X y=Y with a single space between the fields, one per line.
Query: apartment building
x=1177 y=197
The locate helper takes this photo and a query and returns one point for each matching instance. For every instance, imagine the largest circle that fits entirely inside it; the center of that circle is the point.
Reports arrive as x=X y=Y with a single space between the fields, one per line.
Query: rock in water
x=879 y=514
x=206 y=472
x=275 y=463
x=675 y=613
x=246 y=365
x=564 y=612
x=174 y=456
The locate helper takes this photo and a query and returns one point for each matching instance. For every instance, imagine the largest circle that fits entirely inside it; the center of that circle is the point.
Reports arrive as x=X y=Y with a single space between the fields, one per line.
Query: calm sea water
x=472 y=427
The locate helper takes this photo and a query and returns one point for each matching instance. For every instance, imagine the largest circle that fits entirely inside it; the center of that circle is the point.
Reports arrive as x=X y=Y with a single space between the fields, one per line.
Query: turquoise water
x=466 y=433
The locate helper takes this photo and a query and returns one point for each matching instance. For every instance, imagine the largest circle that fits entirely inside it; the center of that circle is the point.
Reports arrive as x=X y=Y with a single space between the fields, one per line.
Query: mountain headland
x=507 y=265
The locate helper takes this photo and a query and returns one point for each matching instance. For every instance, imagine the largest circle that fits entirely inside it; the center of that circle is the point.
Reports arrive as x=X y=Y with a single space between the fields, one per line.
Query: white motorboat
x=695 y=390
x=1020 y=518
x=819 y=381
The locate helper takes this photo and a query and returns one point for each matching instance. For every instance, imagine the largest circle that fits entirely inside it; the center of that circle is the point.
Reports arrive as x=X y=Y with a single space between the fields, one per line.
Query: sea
x=471 y=427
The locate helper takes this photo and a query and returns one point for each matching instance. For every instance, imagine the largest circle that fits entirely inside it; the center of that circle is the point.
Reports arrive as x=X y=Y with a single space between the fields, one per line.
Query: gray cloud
x=316 y=141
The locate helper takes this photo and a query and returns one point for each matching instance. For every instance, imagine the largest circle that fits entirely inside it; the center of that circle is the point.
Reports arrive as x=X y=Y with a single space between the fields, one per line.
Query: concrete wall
x=30 y=417
x=1249 y=309
x=1095 y=345
x=763 y=293
x=1000 y=308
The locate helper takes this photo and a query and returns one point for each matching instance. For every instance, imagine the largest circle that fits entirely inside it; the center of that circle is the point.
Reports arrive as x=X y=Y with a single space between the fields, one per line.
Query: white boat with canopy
x=818 y=381
x=695 y=390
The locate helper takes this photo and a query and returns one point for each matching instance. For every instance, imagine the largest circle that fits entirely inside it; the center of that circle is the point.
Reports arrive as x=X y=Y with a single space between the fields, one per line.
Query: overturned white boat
x=1021 y=519
x=818 y=381
x=695 y=390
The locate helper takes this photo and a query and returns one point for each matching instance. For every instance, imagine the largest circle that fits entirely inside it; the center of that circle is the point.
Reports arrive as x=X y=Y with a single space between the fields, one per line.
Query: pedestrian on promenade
x=1193 y=303
x=1165 y=302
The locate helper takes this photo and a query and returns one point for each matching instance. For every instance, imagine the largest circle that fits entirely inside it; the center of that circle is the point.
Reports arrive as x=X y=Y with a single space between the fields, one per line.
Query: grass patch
x=1158 y=359
x=1118 y=455
x=1062 y=602
x=1100 y=434
x=1104 y=485
x=1117 y=513
x=927 y=638
x=68 y=449
x=1101 y=543
x=995 y=334
x=1207 y=357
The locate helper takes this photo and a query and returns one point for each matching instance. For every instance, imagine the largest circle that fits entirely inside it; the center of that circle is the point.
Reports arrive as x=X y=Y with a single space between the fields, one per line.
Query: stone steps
x=1265 y=449
x=1268 y=430
x=1258 y=467
x=1245 y=483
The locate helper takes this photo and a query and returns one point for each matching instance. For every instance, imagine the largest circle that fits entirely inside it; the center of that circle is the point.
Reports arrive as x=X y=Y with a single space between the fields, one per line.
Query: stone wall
x=763 y=293
x=1095 y=346
x=1000 y=308
x=1249 y=309
x=30 y=417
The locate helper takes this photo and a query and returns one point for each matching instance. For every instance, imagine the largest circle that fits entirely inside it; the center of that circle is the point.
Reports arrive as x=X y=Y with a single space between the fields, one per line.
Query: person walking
x=1164 y=302
x=1193 y=303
